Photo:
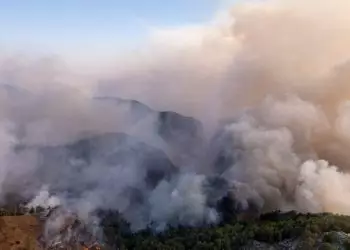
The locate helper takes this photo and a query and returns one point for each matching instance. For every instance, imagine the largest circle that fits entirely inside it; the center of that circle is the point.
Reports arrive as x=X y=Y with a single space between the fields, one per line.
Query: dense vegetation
x=307 y=231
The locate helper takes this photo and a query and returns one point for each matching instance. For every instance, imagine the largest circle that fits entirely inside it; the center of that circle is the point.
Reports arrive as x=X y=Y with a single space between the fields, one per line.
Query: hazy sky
x=94 y=26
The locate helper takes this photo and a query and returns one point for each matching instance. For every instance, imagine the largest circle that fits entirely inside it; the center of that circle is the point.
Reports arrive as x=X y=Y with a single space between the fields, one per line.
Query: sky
x=75 y=27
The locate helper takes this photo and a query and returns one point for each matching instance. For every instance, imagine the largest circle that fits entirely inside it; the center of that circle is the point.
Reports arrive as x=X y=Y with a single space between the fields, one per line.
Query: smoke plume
x=255 y=107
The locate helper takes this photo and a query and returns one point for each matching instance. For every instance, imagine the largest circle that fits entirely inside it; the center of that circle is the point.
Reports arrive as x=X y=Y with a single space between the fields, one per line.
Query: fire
x=92 y=248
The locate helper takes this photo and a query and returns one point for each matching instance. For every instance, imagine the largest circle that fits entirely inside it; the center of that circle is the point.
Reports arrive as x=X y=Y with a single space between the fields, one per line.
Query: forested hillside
x=273 y=230
x=270 y=231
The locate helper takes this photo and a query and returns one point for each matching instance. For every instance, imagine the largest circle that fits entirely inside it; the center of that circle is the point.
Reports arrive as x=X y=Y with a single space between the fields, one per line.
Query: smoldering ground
x=255 y=108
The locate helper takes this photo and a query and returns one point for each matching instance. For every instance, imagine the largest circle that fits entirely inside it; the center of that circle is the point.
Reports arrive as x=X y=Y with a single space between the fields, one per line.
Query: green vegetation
x=309 y=231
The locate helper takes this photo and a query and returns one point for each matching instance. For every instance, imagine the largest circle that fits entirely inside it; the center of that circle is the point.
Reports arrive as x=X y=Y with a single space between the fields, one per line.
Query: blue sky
x=73 y=26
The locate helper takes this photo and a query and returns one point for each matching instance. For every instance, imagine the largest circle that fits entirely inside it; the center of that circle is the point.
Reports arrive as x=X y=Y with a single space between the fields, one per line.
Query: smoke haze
x=264 y=92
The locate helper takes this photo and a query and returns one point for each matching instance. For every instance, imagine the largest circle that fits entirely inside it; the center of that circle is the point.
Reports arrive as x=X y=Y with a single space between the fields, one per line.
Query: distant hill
x=182 y=134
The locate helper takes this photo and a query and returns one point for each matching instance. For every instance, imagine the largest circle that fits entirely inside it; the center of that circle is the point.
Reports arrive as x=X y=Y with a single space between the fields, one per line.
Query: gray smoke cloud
x=259 y=110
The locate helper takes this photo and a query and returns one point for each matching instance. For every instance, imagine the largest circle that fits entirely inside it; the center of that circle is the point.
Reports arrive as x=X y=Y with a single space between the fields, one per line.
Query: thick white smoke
x=272 y=79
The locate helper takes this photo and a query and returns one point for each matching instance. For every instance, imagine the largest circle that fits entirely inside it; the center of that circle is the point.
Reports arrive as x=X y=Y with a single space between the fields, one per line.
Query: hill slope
x=19 y=232
x=270 y=231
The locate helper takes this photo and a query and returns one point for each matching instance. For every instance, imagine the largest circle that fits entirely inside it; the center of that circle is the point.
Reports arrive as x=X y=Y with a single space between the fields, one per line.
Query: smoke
x=260 y=113
x=44 y=200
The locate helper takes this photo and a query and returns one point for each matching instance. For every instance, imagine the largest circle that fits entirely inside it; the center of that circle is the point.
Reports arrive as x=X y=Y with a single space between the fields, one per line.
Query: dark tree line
x=269 y=228
x=16 y=210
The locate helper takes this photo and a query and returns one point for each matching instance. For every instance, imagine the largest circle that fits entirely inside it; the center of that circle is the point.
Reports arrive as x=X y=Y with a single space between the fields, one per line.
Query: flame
x=92 y=248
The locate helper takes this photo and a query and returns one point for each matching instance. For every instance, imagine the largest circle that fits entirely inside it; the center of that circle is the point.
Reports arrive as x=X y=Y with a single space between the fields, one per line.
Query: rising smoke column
x=272 y=80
